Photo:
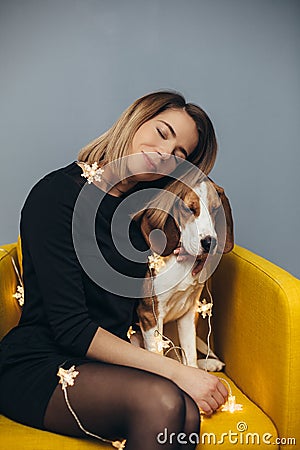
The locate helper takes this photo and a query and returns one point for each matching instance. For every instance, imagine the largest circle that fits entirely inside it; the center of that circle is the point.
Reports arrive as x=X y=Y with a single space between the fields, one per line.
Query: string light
x=130 y=332
x=155 y=262
x=231 y=404
x=161 y=343
x=67 y=378
x=204 y=308
x=19 y=294
x=92 y=172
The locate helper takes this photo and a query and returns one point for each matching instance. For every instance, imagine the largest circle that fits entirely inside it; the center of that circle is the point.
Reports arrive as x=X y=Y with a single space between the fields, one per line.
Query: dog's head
x=200 y=218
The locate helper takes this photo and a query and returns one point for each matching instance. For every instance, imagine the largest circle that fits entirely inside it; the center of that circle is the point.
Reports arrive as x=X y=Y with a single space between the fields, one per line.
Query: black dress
x=63 y=305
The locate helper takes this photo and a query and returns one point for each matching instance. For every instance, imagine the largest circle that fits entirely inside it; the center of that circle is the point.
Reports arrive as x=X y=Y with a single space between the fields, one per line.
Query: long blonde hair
x=115 y=142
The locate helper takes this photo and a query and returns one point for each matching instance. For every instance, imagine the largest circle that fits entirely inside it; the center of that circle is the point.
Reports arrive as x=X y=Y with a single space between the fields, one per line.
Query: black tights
x=118 y=402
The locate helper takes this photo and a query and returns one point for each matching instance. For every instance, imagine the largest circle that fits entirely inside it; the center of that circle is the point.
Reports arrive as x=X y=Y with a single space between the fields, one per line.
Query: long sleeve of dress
x=51 y=269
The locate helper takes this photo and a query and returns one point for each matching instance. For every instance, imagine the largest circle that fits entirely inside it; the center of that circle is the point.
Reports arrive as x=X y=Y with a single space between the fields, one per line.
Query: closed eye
x=183 y=154
x=161 y=133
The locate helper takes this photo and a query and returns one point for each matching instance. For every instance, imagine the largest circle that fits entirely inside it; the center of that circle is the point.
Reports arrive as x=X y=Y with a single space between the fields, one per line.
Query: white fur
x=201 y=226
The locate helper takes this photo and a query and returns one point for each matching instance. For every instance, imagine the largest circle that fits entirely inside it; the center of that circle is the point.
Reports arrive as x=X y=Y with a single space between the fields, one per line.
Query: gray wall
x=69 y=67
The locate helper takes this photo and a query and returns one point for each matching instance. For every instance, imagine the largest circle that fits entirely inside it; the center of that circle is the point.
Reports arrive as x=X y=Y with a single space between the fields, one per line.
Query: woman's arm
x=54 y=291
x=207 y=390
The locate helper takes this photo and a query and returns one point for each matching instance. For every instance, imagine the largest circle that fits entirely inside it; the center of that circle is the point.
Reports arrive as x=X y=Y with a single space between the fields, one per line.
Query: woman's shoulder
x=60 y=185
x=70 y=173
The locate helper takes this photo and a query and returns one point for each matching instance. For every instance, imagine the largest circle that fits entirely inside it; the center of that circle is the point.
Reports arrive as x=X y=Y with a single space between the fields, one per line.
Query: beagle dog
x=173 y=293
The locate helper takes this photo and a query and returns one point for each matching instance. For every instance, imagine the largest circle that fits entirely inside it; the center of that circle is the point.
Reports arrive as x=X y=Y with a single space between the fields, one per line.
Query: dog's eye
x=190 y=209
x=185 y=208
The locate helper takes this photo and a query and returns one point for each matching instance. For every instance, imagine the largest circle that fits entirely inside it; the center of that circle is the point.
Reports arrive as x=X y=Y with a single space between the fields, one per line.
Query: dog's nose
x=208 y=243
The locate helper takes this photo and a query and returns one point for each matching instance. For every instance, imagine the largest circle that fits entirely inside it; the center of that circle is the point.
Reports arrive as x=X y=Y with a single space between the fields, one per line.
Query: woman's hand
x=207 y=390
x=182 y=255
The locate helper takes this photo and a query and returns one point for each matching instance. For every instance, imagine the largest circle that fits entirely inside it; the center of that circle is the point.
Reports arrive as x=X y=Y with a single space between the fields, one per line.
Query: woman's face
x=160 y=144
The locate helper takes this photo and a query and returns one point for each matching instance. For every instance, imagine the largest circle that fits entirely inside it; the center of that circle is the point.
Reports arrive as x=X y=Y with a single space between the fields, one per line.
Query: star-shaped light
x=231 y=405
x=161 y=344
x=119 y=444
x=130 y=332
x=67 y=377
x=155 y=262
x=204 y=308
x=19 y=295
x=92 y=172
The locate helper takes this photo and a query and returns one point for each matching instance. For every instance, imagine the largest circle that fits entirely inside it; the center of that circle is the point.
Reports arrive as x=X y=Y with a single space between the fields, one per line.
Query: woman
x=121 y=391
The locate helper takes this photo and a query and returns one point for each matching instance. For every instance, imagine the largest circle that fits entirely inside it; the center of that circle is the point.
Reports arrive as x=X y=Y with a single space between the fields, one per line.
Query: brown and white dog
x=176 y=291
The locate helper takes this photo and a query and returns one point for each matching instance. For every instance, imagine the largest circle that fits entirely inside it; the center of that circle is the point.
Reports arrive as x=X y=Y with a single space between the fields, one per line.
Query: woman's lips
x=149 y=162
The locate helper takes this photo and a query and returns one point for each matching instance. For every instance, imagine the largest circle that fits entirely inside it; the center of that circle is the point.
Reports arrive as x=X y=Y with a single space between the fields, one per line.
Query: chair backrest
x=10 y=310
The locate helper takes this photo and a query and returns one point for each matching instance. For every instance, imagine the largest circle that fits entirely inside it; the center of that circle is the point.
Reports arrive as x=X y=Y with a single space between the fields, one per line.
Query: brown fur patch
x=170 y=230
x=192 y=201
x=145 y=307
x=213 y=199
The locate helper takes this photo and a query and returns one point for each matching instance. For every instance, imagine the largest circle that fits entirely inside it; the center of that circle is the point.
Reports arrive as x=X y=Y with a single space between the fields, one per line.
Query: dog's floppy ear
x=167 y=241
x=229 y=242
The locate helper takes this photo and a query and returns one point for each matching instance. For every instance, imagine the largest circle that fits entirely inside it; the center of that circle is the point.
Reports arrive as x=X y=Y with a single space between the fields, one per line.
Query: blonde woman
x=115 y=391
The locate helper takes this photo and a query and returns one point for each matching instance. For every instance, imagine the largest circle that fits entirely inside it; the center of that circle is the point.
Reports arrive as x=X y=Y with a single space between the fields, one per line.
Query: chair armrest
x=10 y=310
x=257 y=334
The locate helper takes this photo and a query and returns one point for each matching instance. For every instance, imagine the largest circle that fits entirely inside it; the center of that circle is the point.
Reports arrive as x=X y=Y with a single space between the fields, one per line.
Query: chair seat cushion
x=241 y=429
x=249 y=428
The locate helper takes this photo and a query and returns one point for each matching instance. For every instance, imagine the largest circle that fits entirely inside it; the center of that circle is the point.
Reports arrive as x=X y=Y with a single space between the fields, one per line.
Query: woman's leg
x=192 y=423
x=117 y=402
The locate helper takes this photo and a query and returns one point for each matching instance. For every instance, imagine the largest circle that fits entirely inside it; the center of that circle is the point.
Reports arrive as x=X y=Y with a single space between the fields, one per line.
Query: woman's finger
x=213 y=403
x=205 y=408
x=219 y=398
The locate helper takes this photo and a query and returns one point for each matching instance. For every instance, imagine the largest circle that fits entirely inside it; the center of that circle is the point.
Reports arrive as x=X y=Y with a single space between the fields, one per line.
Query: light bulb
x=231 y=405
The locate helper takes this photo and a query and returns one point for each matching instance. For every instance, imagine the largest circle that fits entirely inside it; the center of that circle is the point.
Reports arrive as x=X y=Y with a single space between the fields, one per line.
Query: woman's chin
x=142 y=174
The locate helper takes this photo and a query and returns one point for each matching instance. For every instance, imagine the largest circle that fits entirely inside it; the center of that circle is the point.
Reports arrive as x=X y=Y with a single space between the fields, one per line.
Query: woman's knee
x=192 y=416
x=165 y=399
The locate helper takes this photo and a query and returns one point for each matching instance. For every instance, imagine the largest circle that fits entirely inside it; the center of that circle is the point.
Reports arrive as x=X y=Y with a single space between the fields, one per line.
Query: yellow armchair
x=256 y=332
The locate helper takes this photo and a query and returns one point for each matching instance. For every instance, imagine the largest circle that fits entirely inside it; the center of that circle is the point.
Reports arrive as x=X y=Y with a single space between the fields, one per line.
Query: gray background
x=69 y=68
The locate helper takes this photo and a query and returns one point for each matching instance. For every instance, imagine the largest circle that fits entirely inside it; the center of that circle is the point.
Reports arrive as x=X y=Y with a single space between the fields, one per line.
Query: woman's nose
x=166 y=151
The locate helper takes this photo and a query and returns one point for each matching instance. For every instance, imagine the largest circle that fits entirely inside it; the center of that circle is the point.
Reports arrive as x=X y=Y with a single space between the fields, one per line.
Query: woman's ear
x=229 y=240
x=166 y=239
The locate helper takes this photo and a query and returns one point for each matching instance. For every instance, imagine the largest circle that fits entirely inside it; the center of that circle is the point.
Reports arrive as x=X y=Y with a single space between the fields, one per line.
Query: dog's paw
x=211 y=364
